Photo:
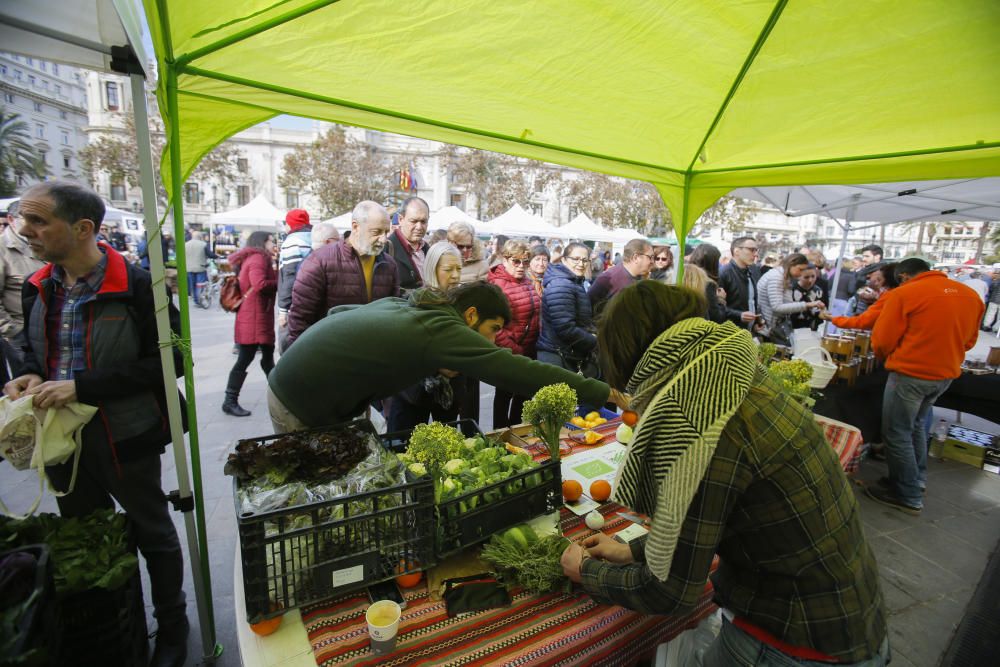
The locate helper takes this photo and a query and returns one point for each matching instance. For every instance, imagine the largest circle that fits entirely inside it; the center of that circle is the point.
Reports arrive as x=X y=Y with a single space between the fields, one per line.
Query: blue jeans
x=905 y=405
x=735 y=647
x=195 y=277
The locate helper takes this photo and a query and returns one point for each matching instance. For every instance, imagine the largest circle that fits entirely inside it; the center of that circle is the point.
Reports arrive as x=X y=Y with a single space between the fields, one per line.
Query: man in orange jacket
x=926 y=326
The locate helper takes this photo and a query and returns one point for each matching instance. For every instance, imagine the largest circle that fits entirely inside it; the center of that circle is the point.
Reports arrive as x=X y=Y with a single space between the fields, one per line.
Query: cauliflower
x=455 y=466
x=433 y=444
x=418 y=469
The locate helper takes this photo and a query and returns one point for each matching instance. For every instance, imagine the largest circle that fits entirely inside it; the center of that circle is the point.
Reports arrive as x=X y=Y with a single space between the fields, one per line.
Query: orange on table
x=600 y=490
x=572 y=490
x=630 y=418
x=267 y=626
x=409 y=580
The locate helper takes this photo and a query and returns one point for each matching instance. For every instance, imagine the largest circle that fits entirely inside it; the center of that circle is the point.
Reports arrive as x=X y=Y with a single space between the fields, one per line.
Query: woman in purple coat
x=255 y=319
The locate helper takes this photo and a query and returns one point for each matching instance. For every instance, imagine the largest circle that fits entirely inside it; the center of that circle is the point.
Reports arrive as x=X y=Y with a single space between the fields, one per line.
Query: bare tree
x=619 y=202
x=497 y=181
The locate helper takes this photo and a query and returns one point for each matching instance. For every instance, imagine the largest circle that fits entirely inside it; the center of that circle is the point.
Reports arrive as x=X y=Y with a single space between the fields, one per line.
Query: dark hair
x=72 y=201
x=409 y=200
x=707 y=256
x=634 y=318
x=664 y=250
x=794 y=259
x=635 y=247
x=737 y=241
x=13 y=208
x=258 y=240
x=888 y=270
x=488 y=300
x=911 y=266
x=575 y=244
x=539 y=250
x=873 y=249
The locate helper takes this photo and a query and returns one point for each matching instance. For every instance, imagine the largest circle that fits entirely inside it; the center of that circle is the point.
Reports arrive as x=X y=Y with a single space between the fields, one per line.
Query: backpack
x=230 y=295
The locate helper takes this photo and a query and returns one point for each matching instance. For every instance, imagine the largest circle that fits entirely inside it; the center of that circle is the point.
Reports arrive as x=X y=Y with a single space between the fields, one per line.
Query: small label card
x=631 y=532
x=582 y=506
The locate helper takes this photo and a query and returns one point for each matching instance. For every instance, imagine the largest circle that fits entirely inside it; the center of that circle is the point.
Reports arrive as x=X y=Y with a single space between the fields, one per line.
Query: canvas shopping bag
x=52 y=435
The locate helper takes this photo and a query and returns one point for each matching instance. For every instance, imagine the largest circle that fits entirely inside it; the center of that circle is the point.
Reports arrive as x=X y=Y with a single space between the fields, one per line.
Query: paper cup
x=383 y=623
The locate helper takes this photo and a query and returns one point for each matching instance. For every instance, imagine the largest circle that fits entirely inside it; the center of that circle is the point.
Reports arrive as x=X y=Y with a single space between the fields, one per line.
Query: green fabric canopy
x=698 y=97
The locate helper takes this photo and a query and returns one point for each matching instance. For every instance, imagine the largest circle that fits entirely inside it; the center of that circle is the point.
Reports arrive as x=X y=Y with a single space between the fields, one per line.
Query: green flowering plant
x=793 y=376
x=548 y=410
x=434 y=445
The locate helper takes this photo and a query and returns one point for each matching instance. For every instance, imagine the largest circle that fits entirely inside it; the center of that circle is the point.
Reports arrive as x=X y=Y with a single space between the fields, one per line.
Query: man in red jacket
x=926 y=326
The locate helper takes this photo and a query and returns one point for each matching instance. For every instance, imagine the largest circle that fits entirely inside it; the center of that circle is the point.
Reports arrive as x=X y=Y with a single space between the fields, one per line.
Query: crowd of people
x=391 y=319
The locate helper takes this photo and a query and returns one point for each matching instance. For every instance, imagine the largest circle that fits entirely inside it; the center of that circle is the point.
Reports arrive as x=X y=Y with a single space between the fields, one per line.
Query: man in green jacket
x=361 y=353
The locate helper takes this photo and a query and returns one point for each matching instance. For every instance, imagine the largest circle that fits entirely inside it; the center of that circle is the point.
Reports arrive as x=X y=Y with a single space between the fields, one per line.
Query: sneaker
x=884 y=481
x=890 y=499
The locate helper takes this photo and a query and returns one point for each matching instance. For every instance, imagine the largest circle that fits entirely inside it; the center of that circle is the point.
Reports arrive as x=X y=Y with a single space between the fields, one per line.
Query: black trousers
x=507 y=408
x=248 y=352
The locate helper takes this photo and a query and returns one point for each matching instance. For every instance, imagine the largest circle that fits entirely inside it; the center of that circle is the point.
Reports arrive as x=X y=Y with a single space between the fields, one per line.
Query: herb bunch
x=534 y=566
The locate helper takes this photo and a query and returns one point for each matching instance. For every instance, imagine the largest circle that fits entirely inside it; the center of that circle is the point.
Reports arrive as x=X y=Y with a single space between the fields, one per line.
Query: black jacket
x=733 y=279
x=409 y=277
x=123 y=377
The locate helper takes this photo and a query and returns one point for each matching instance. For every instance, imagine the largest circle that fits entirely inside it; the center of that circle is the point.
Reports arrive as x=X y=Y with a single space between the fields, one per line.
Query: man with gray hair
x=355 y=271
x=198 y=253
x=324 y=233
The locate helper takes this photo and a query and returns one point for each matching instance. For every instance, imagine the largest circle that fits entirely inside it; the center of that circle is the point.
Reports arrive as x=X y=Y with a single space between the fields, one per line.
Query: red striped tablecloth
x=552 y=629
x=845 y=439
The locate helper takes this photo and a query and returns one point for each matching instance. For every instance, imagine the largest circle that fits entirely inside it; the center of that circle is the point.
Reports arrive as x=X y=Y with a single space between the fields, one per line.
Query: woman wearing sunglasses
x=663 y=265
x=474 y=266
x=520 y=333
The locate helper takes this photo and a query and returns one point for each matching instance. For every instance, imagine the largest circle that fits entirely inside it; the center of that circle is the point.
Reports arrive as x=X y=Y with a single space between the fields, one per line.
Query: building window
x=242 y=164
x=63 y=115
x=191 y=193
x=8 y=98
x=242 y=195
x=456 y=199
x=536 y=209
x=66 y=161
x=39 y=130
x=291 y=199
x=64 y=135
x=31 y=79
x=111 y=89
x=55 y=68
x=573 y=212
x=118 y=191
x=30 y=61
x=18 y=74
x=38 y=106
x=58 y=89
x=3 y=70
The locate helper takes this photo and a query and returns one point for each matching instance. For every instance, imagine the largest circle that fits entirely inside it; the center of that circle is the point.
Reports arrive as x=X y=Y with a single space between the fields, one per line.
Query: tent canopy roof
x=698 y=98
x=887 y=203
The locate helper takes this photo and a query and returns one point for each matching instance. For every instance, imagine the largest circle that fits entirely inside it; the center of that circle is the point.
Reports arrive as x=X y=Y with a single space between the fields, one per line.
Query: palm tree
x=17 y=156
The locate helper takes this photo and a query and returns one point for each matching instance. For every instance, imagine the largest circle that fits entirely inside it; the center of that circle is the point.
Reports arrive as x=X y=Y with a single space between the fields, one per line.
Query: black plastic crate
x=37 y=632
x=104 y=627
x=307 y=553
x=474 y=517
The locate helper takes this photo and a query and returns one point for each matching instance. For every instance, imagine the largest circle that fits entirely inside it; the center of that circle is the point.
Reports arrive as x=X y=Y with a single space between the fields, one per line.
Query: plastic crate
x=494 y=508
x=104 y=627
x=583 y=412
x=963 y=452
x=36 y=628
x=307 y=553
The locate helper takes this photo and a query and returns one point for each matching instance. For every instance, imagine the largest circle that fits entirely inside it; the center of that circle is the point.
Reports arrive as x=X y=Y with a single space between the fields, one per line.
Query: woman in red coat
x=255 y=318
x=521 y=333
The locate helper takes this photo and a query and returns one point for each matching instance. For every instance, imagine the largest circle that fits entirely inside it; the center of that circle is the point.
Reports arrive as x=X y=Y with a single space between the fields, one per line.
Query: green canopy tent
x=698 y=98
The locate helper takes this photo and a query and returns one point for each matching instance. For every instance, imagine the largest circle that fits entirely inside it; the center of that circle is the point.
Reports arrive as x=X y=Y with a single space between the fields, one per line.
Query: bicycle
x=208 y=292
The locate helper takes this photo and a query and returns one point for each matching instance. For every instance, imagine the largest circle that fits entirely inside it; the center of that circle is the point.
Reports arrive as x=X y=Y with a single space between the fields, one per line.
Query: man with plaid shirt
x=795 y=573
x=91 y=337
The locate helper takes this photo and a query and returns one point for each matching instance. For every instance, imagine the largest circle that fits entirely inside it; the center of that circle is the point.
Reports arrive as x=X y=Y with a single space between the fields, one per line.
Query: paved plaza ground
x=930 y=565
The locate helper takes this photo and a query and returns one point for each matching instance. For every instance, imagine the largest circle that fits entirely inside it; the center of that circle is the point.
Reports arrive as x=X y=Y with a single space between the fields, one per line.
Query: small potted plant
x=547 y=411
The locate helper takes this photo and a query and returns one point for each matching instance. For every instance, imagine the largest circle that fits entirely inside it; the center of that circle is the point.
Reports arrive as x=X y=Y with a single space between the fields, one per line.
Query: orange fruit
x=593 y=416
x=630 y=418
x=600 y=490
x=267 y=626
x=578 y=421
x=572 y=490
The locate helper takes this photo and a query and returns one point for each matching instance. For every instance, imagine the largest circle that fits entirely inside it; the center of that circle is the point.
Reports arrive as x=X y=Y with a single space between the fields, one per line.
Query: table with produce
x=467 y=527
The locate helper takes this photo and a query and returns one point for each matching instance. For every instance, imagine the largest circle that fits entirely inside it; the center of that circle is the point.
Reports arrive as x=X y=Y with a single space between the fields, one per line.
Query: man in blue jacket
x=91 y=338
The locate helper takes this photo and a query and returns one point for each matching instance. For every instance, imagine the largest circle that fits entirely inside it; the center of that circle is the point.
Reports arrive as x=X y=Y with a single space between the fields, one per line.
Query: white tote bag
x=34 y=438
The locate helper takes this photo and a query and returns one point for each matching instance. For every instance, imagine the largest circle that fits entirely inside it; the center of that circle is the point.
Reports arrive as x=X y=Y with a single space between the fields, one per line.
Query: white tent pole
x=840 y=259
x=164 y=333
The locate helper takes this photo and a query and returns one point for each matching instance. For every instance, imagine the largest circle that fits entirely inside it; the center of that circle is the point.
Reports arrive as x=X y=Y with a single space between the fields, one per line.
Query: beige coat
x=16 y=264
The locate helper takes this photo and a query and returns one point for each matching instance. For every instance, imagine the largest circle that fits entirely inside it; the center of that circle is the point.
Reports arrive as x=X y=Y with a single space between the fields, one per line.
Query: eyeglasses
x=750 y=248
x=650 y=257
x=517 y=261
x=462 y=246
x=575 y=259
x=662 y=259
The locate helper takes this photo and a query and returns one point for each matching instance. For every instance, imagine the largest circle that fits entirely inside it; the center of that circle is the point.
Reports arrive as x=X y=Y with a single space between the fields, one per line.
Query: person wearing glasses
x=739 y=279
x=567 y=338
x=462 y=235
x=637 y=260
x=520 y=332
x=663 y=265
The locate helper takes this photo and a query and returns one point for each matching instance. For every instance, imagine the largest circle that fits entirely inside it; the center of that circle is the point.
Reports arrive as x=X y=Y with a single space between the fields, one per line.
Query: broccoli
x=550 y=407
x=433 y=444
x=418 y=469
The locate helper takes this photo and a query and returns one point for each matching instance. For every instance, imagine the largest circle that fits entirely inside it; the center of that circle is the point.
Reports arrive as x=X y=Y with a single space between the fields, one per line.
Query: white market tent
x=515 y=221
x=342 y=222
x=259 y=213
x=444 y=217
x=582 y=227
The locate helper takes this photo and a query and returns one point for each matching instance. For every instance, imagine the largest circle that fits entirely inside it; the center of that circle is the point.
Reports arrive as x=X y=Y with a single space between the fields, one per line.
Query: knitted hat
x=296 y=219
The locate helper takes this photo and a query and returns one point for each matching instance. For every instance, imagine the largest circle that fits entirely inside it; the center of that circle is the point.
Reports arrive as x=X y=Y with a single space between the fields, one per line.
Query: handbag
x=231 y=297
x=35 y=438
